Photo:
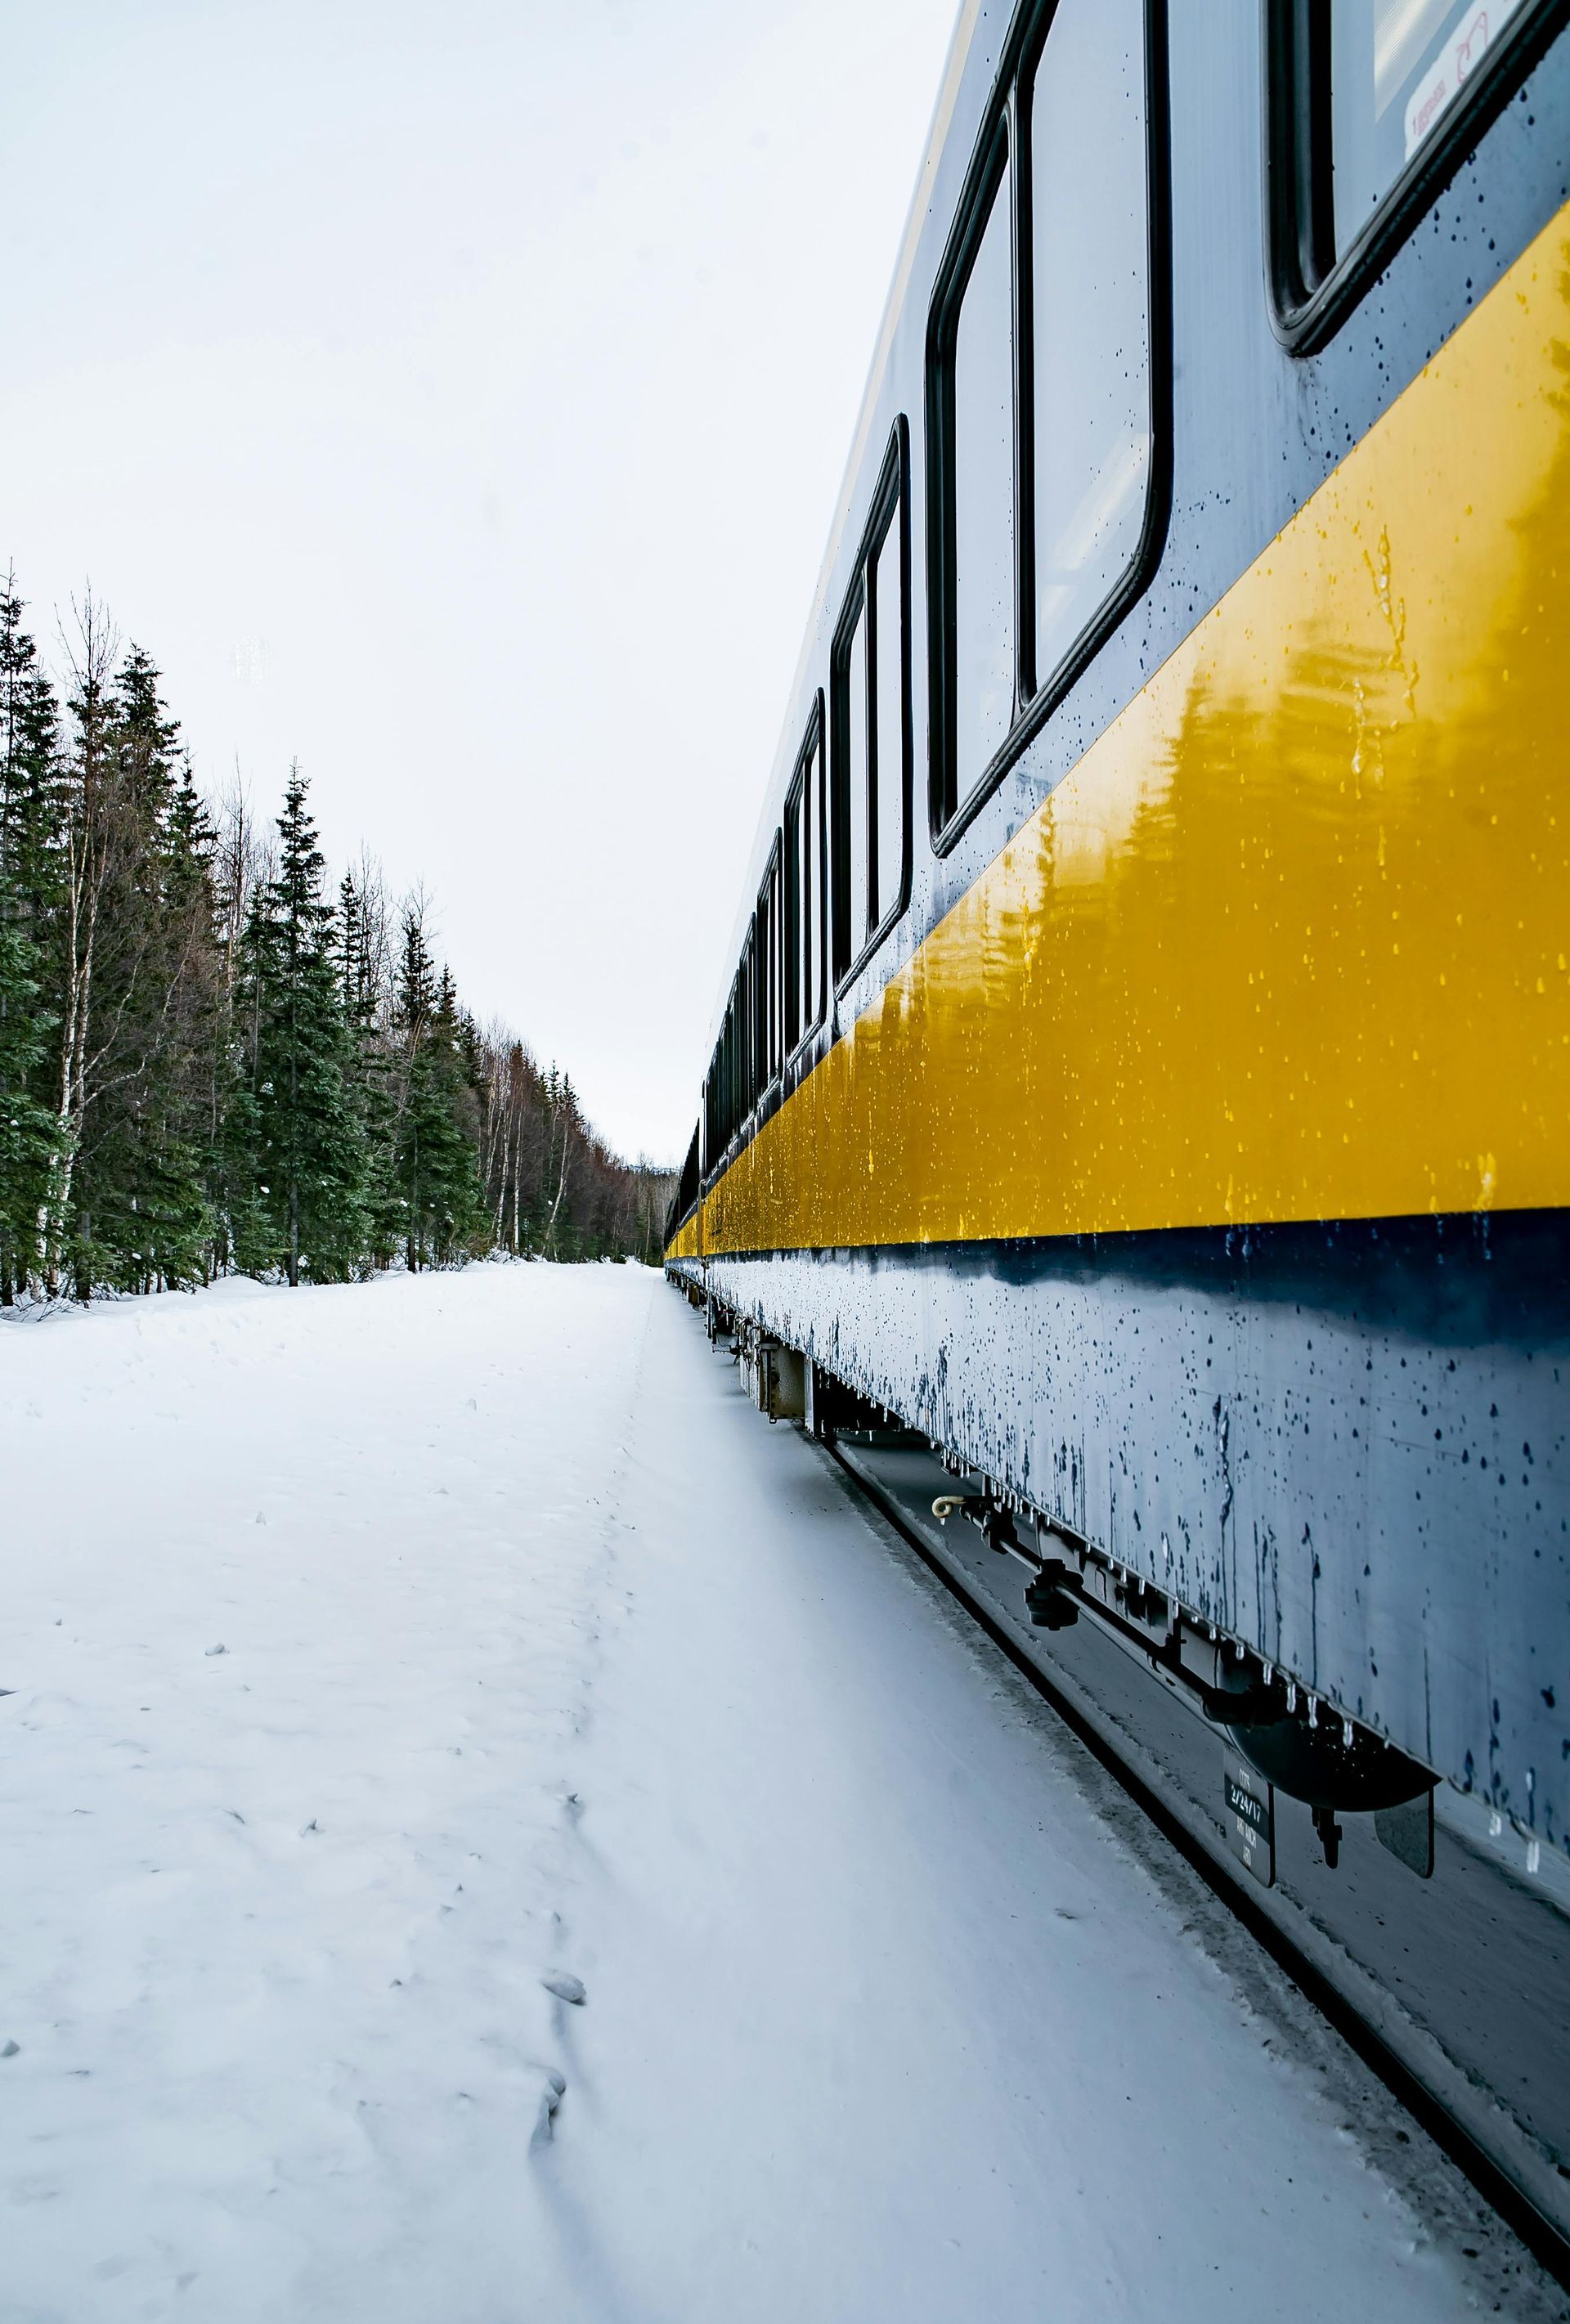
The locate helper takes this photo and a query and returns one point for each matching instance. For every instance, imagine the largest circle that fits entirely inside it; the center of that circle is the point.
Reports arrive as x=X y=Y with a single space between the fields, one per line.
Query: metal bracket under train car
x=774 y=1374
x=1293 y=1738
x=1283 y=1731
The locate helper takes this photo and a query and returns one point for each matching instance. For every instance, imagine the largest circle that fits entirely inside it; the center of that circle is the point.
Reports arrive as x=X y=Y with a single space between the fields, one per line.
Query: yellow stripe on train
x=1290 y=941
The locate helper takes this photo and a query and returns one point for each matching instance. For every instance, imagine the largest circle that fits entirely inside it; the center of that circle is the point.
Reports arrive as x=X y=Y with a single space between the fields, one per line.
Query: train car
x=1144 y=1066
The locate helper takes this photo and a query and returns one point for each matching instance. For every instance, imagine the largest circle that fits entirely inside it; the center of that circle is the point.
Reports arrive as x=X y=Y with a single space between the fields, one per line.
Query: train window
x=720 y=1132
x=735 y=1107
x=769 y=960
x=886 y=841
x=760 y=1002
x=747 y=1029
x=1373 y=102
x=851 y=800
x=736 y=1089
x=1091 y=439
x=776 y=977
x=983 y=498
x=805 y=925
x=759 y=1005
x=755 y=1020
x=730 y=1111
x=686 y=1186
x=737 y=1061
x=1045 y=401
x=870 y=803
x=766 y=960
x=1396 y=68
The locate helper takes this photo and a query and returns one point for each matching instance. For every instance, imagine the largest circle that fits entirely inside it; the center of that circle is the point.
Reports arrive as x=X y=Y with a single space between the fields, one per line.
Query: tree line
x=213 y=1061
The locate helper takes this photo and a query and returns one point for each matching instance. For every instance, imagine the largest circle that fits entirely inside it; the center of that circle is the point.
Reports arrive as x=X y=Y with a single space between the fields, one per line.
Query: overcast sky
x=455 y=398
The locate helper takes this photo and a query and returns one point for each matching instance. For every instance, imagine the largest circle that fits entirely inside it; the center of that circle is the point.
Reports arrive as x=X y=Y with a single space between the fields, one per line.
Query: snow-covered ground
x=493 y=1830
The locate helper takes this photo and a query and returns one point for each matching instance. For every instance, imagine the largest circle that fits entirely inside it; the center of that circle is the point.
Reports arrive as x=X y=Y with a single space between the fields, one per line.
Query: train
x=1142 y=1068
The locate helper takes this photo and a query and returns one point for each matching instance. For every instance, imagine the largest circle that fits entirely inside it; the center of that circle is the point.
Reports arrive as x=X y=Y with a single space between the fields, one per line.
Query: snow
x=494 y=1831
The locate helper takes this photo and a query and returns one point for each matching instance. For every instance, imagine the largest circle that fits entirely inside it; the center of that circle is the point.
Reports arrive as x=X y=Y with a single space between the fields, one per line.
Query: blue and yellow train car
x=1145 y=1069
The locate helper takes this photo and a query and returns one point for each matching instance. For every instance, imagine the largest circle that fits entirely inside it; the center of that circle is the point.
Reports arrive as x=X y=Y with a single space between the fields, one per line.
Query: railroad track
x=1446 y=1989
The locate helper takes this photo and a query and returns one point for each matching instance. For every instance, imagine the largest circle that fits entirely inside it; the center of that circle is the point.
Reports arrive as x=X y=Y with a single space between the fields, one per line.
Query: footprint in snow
x=566 y=1987
x=550 y=2097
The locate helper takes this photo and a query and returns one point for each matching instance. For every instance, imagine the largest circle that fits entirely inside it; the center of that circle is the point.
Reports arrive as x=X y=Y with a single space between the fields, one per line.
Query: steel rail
x=1337 y=2004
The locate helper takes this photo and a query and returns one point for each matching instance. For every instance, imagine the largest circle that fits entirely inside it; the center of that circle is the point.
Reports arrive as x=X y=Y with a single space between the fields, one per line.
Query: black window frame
x=734 y=1066
x=1003 y=147
x=689 y=1185
x=814 y=743
x=751 y=1085
x=891 y=506
x=756 y=982
x=1313 y=288
x=768 y=998
x=723 y=1075
x=739 y=1100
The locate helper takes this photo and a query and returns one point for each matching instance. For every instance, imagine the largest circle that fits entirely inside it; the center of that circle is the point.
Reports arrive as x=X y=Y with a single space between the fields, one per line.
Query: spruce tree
x=564 y=1133
x=30 y=807
x=460 y=1200
x=188 y=1090
x=437 y=1153
x=371 y=1078
x=32 y=802
x=307 y=1149
x=144 y=1216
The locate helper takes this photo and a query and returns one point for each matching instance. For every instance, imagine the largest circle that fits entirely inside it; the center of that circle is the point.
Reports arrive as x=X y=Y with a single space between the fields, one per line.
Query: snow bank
x=494 y=1831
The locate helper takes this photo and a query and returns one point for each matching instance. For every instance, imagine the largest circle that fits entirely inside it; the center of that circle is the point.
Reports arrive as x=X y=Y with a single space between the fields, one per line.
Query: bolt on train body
x=1146 y=1068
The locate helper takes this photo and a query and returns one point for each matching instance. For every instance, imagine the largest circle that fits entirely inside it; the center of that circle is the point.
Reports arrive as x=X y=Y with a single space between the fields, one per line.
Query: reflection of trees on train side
x=1301 y=909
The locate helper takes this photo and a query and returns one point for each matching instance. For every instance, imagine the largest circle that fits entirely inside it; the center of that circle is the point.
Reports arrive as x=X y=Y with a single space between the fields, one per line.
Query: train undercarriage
x=1431 y=1926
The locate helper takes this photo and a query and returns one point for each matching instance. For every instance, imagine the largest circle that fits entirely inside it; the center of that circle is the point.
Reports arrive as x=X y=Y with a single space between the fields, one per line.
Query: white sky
x=455 y=398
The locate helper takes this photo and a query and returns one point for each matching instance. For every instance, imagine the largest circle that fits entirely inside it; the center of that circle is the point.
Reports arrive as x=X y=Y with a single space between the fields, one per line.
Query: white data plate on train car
x=1250 y=1818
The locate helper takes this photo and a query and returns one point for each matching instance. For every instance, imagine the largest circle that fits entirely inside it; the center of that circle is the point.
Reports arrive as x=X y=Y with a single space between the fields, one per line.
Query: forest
x=215 y=1060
